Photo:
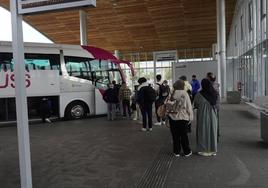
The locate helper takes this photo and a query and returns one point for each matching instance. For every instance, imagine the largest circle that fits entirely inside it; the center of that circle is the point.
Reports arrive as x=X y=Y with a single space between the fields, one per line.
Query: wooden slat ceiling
x=137 y=25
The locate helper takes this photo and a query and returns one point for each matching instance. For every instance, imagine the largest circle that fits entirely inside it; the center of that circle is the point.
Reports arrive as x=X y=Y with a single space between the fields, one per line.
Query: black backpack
x=149 y=94
x=163 y=90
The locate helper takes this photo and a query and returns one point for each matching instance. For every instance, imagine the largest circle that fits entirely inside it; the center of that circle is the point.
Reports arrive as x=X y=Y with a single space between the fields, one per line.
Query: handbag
x=161 y=111
x=171 y=104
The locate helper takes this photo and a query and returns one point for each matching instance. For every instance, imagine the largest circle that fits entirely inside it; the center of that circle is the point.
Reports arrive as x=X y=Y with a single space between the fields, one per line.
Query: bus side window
x=4 y=67
x=42 y=61
x=27 y=68
x=78 y=67
x=6 y=62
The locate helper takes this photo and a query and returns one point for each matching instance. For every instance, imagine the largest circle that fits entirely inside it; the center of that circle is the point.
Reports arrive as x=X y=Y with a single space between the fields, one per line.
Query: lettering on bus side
x=9 y=81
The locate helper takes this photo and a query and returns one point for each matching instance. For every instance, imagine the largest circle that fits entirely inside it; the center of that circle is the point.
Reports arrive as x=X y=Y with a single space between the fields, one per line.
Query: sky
x=29 y=33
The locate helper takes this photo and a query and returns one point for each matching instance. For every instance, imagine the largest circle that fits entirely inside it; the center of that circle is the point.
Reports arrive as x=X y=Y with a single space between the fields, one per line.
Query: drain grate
x=155 y=176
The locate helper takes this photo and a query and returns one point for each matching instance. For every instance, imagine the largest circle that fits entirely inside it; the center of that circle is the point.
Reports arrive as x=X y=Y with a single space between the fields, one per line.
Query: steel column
x=21 y=100
x=83 y=27
x=221 y=37
x=116 y=54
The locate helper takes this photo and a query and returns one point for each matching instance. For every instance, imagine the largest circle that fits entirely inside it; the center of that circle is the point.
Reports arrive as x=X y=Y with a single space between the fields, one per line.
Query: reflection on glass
x=150 y=64
x=143 y=64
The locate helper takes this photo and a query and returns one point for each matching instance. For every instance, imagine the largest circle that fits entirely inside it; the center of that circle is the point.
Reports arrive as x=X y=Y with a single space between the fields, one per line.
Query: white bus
x=71 y=76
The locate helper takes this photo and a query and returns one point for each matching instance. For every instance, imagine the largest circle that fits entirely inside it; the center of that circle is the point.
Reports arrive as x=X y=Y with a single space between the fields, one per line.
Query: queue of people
x=174 y=106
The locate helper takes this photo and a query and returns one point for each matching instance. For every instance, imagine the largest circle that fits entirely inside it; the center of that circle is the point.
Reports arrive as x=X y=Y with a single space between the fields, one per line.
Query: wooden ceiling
x=137 y=25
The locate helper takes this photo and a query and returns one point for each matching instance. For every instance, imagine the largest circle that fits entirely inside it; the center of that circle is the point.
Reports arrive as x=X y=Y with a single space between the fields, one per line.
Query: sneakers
x=47 y=120
x=189 y=154
x=157 y=123
x=143 y=129
x=207 y=154
x=163 y=123
x=186 y=155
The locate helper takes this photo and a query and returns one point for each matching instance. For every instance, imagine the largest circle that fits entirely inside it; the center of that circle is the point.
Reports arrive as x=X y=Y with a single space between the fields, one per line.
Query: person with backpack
x=163 y=92
x=124 y=96
x=111 y=98
x=180 y=114
x=145 y=99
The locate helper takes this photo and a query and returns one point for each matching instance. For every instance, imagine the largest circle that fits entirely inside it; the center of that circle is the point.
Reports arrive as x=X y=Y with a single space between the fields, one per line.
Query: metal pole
x=116 y=54
x=21 y=101
x=83 y=27
x=221 y=32
x=155 y=59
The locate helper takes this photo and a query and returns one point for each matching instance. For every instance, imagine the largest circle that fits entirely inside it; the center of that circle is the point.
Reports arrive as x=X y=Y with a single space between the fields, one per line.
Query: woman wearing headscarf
x=205 y=102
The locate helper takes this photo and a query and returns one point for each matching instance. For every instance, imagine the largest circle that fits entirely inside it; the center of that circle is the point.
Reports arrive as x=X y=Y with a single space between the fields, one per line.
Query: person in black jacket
x=146 y=98
x=111 y=98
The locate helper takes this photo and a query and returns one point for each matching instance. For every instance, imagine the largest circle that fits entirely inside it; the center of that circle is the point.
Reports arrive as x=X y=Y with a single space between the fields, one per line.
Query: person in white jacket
x=180 y=118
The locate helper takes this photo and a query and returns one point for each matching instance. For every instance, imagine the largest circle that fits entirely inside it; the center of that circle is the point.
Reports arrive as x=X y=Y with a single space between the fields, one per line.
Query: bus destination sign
x=37 y=6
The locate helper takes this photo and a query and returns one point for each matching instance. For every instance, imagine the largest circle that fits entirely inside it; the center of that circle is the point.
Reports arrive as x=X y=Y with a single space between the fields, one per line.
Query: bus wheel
x=76 y=110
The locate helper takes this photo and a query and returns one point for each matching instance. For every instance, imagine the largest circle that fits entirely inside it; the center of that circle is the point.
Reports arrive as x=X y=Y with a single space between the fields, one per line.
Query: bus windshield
x=100 y=72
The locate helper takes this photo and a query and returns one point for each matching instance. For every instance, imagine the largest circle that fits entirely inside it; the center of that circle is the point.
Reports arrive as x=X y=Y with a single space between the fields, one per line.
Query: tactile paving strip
x=155 y=176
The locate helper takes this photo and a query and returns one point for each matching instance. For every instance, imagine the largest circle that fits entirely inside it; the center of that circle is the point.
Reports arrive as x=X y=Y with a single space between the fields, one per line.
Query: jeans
x=146 y=112
x=126 y=107
x=111 y=108
x=178 y=130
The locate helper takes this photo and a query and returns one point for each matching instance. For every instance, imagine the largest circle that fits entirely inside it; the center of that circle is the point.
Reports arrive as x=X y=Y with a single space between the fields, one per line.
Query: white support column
x=21 y=101
x=116 y=54
x=83 y=27
x=155 y=59
x=221 y=32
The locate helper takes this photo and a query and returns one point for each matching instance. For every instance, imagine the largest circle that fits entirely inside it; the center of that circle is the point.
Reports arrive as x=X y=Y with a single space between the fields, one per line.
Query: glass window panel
x=6 y=62
x=166 y=64
x=136 y=65
x=266 y=68
x=263 y=8
x=150 y=75
x=250 y=16
x=150 y=64
x=235 y=35
x=97 y=64
x=78 y=67
x=241 y=27
x=166 y=74
x=42 y=61
x=102 y=77
x=143 y=64
x=159 y=64
x=115 y=75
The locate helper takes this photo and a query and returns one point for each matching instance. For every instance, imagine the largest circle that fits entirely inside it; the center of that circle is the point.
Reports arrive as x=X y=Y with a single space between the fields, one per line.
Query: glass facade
x=145 y=64
x=248 y=56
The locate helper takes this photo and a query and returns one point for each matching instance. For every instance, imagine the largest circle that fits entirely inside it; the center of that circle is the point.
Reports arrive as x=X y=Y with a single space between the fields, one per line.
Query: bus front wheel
x=76 y=110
